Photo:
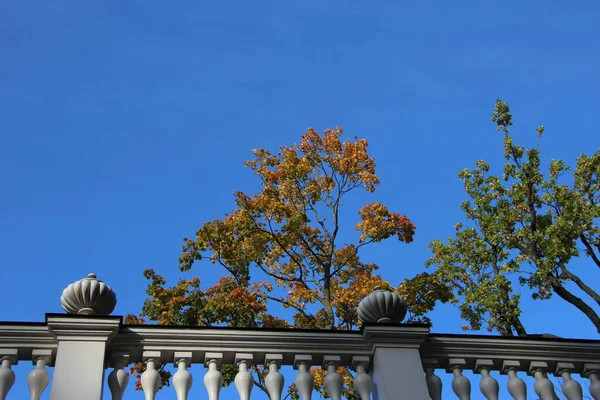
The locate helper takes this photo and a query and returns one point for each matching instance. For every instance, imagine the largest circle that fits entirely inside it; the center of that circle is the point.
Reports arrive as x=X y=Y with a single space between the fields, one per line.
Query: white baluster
x=516 y=386
x=7 y=375
x=333 y=380
x=592 y=372
x=274 y=380
x=305 y=383
x=363 y=383
x=542 y=387
x=151 y=377
x=213 y=379
x=460 y=384
x=243 y=379
x=38 y=378
x=594 y=385
x=488 y=385
x=434 y=384
x=182 y=379
x=118 y=378
x=570 y=388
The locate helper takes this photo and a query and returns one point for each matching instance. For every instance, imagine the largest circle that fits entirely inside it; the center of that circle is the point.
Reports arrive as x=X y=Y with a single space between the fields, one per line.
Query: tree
x=281 y=247
x=523 y=227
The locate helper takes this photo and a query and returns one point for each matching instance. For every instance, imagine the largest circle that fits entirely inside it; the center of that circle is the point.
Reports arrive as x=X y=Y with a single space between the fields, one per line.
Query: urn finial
x=88 y=296
x=382 y=306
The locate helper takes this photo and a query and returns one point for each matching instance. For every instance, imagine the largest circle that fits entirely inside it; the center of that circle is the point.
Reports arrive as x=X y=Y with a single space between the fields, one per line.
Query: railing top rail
x=441 y=348
x=450 y=337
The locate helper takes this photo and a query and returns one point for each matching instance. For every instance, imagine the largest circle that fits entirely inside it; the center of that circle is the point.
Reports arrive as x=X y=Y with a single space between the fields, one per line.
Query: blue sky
x=124 y=125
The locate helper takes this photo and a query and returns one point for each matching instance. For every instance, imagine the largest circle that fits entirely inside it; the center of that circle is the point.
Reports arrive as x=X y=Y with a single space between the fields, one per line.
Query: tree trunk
x=519 y=327
x=327 y=297
x=581 y=284
x=577 y=302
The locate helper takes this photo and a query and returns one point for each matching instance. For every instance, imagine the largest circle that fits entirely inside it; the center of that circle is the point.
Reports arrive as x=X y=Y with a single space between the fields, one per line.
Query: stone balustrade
x=384 y=357
x=534 y=356
x=81 y=347
x=389 y=360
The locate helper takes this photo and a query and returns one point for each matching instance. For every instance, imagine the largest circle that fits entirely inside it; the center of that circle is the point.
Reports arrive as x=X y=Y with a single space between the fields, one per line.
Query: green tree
x=523 y=227
x=281 y=247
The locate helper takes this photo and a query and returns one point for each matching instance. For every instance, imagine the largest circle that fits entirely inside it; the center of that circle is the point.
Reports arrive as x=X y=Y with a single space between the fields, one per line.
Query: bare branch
x=287 y=303
x=588 y=290
x=590 y=250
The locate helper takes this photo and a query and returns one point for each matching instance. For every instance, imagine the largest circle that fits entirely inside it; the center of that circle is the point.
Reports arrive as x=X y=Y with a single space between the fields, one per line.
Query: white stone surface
x=274 y=380
x=78 y=371
x=38 y=379
x=150 y=379
x=333 y=380
x=305 y=383
x=213 y=379
x=398 y=375
x=363 y=383
x=182 y=380
x=7 y=377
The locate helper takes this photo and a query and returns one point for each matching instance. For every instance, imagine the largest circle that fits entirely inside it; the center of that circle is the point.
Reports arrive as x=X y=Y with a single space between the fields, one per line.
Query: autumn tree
x=523 y=227
x=282 y=248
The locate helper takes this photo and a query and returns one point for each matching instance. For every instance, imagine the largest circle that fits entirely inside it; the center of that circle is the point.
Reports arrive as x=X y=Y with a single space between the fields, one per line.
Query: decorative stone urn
x=88 y=296
x=383 y=307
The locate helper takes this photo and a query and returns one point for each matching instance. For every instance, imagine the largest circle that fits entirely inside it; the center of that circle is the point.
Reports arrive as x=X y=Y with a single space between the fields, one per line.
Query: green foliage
x=524 y=226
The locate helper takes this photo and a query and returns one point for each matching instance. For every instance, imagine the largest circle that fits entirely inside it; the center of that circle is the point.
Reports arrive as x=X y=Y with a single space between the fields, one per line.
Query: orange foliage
x=280 y=247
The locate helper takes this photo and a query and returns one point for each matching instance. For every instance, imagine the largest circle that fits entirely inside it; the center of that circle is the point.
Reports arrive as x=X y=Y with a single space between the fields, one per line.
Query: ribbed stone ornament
x=88 y=296
x=382 y=306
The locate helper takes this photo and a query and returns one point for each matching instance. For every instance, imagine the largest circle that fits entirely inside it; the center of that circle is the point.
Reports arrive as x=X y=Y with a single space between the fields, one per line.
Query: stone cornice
x=26 y=337
x=83 y=328
x=395 y=336
x=437 y=350
x=318 y=343
x=228 y=341
x=440 y=348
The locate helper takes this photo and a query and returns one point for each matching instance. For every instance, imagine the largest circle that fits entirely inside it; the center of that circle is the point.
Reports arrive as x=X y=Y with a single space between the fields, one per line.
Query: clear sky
x=124 y=124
